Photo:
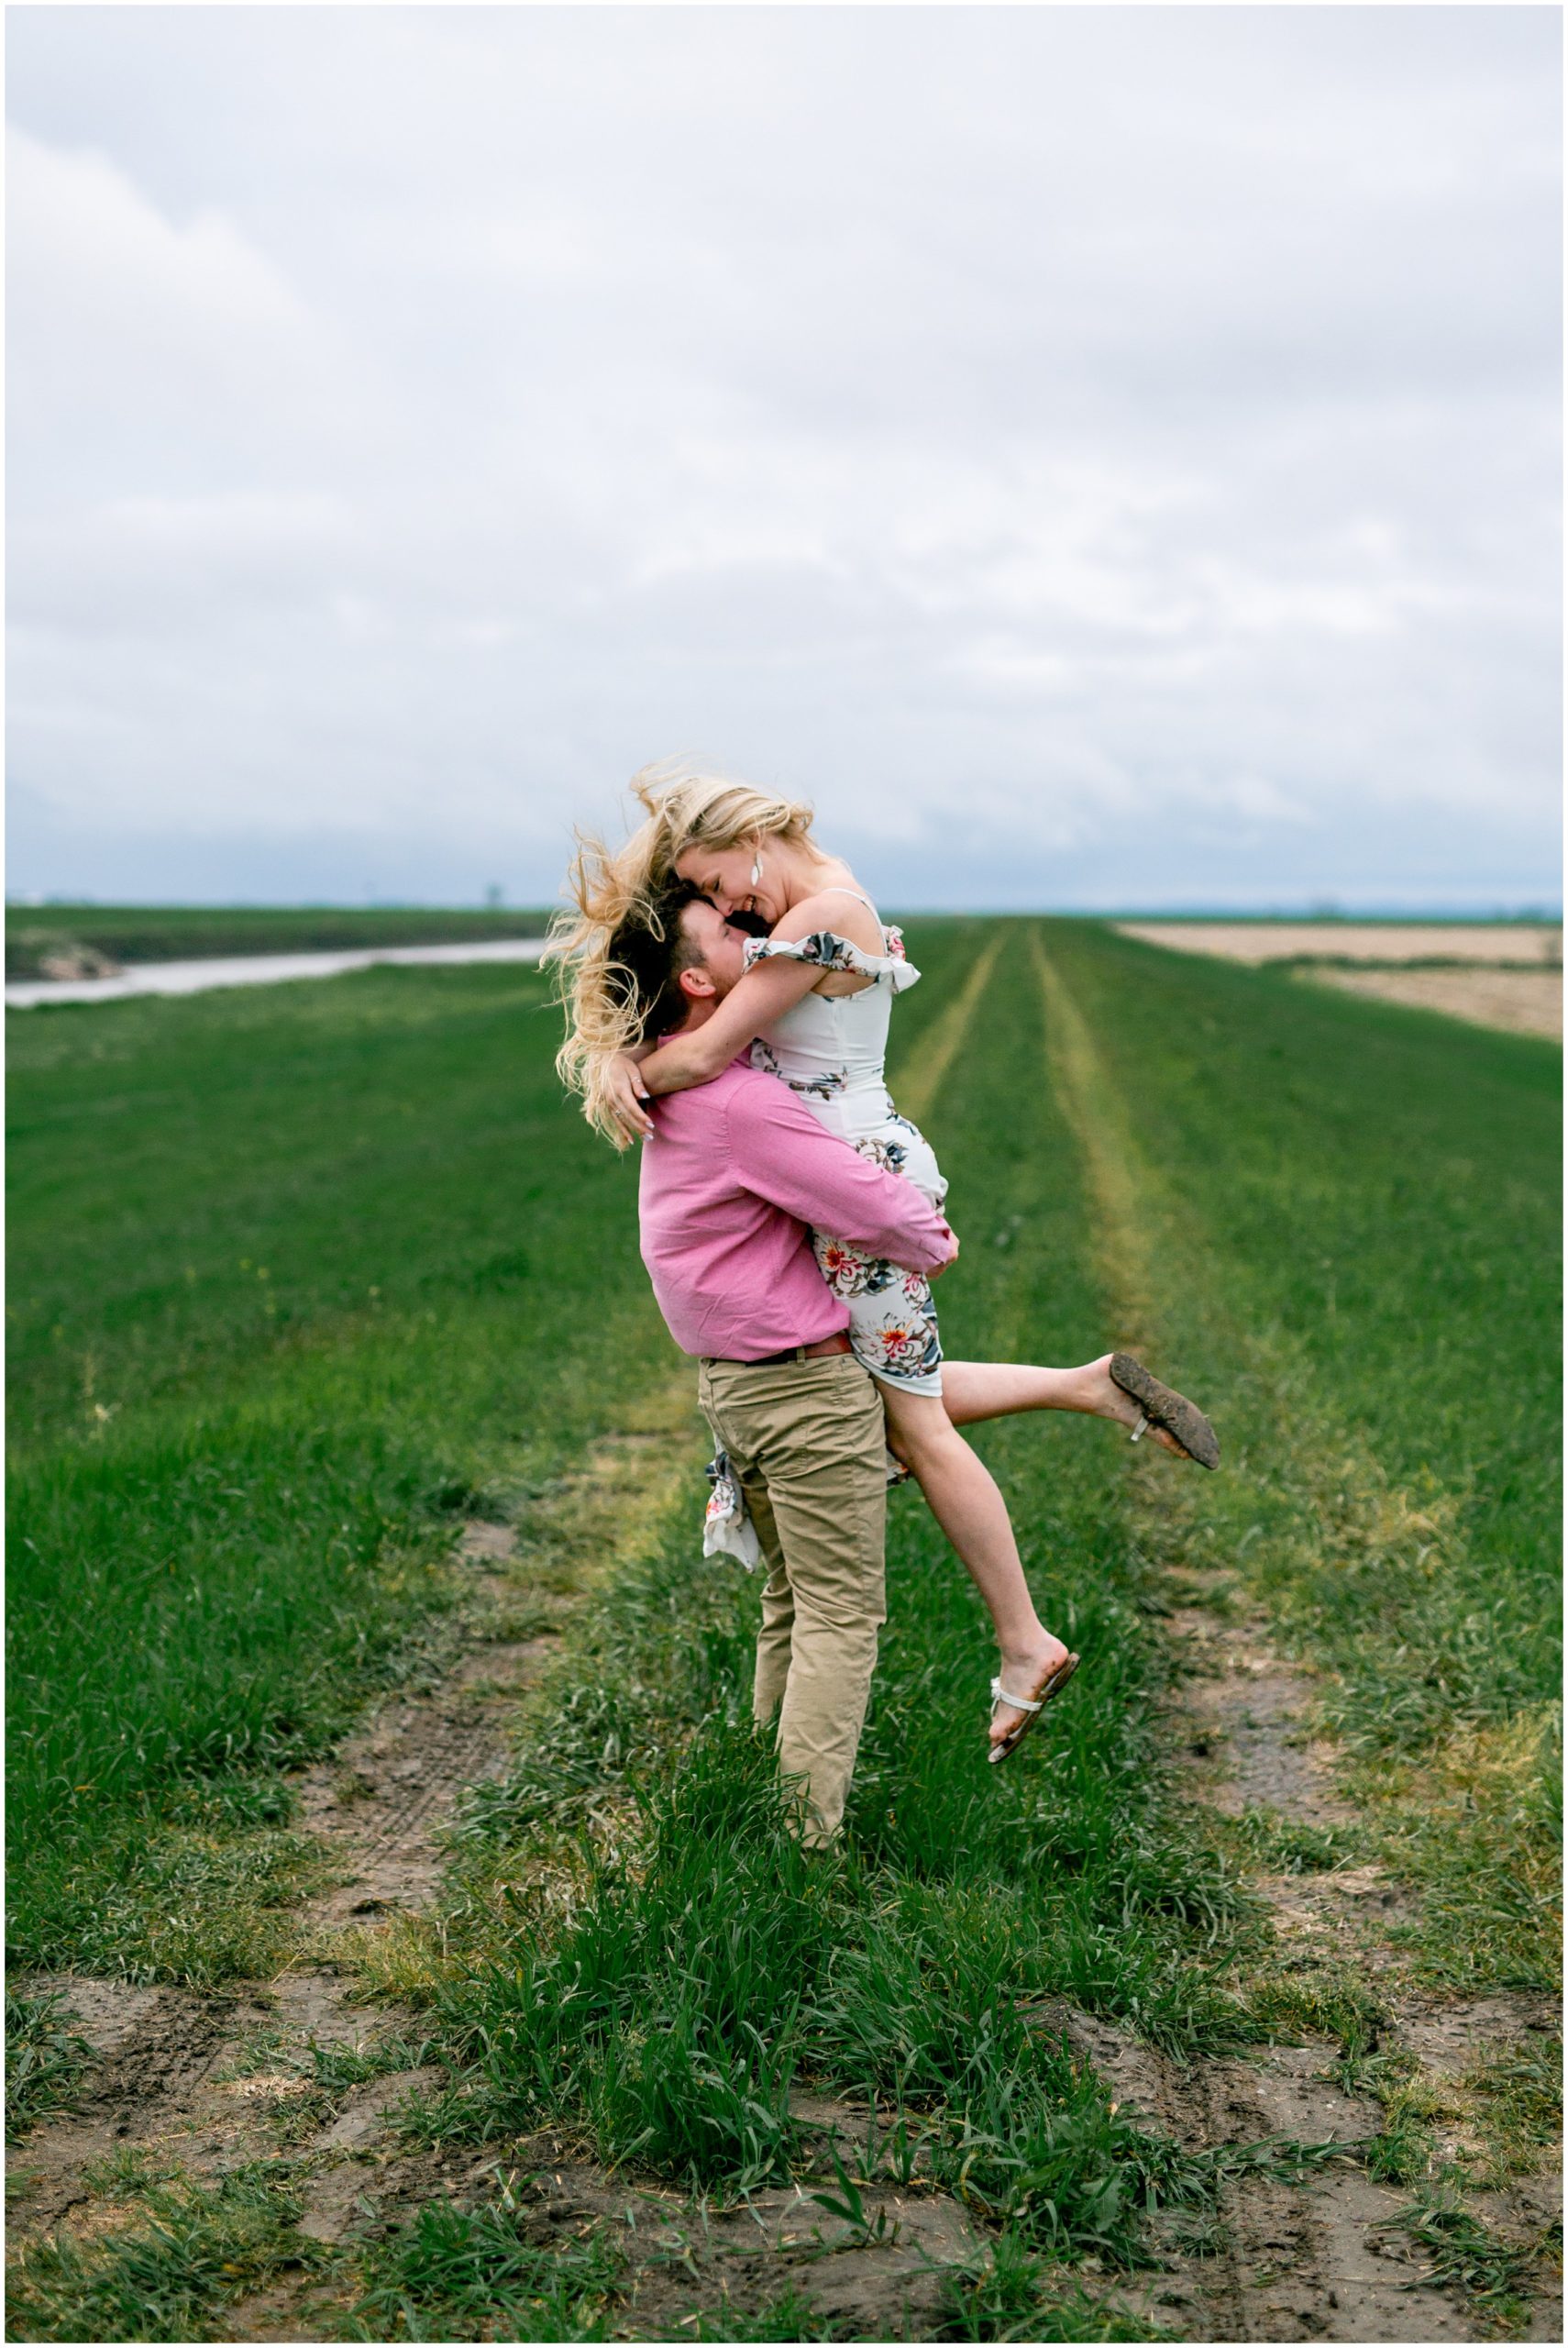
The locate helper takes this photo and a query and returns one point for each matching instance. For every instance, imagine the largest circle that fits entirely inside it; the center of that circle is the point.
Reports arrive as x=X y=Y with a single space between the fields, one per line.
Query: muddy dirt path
x=1325 y=2259
x=211 y=2082
x=301 y=2070
x=208 y=2081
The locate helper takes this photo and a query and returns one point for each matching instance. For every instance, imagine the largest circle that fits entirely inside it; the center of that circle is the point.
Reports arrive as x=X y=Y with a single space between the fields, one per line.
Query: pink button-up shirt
x=731 y=1175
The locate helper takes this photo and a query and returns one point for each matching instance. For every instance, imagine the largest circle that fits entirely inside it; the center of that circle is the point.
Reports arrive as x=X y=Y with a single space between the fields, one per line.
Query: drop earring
x=757 y=868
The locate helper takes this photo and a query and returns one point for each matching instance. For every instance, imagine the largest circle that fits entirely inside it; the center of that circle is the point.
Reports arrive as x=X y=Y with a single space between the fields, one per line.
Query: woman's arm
x=769 y=989
x=764 y=993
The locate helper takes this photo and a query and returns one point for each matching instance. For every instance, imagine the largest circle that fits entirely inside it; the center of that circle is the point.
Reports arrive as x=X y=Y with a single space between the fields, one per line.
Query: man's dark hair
x=647 y=958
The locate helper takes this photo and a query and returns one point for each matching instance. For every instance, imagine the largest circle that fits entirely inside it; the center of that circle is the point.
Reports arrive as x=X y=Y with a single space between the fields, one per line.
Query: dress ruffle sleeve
x=829 y=951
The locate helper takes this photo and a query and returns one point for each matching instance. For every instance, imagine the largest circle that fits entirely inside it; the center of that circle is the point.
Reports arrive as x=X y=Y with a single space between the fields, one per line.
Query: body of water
x=255 y=971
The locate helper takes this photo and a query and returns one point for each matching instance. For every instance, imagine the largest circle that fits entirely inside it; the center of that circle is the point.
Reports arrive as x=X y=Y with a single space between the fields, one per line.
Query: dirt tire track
x=377 y=1806
x=206 y=2080
x=917 y=1084
x=380 y=1803
x=1286 y=2261
x=178 y=2077
x=1289 y=2262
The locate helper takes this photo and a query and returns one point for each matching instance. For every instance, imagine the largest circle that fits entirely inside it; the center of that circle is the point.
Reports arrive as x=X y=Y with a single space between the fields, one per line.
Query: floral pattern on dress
x=824 y=948
x=816 y=1088
x=893 y=1324
x=845 y=1270
x=830 y=1049
x=892 y=1317
x=908 y=1347
x=890 y=1156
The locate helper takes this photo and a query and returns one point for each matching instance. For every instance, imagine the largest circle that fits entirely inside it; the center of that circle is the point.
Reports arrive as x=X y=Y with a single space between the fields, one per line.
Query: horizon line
x=1316 y=909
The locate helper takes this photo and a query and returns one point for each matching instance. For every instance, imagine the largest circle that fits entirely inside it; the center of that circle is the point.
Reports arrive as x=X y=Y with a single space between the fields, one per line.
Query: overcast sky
x=1102 y=456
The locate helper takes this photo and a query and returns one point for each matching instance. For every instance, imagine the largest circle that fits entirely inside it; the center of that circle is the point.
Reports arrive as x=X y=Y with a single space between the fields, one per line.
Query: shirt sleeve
x=780 y=1152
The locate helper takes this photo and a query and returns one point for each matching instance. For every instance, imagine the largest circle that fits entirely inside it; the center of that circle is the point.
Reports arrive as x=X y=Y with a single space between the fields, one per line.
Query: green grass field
x=190 y=933
x=301 y=1277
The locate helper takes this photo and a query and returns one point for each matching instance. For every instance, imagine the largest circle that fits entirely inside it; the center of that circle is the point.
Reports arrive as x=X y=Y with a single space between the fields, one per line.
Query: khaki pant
x=807 y=1443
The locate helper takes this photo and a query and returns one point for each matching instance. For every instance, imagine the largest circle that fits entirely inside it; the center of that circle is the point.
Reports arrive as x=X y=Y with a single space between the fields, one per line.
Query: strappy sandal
x=1030 y=1706
x=1162 y=1406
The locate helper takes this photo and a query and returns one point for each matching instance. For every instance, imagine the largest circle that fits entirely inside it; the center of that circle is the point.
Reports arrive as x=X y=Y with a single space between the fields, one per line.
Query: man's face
x=719 y=948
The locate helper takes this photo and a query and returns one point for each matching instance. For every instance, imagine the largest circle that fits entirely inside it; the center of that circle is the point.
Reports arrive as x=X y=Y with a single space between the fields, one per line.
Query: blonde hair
x=621 y=902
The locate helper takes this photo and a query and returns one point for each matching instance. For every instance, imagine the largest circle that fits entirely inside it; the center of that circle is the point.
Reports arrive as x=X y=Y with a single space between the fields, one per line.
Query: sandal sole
x=1054 y=1686
x=1165 y=1408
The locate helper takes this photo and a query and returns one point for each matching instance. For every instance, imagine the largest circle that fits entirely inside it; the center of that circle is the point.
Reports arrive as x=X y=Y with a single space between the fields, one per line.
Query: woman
x=813 y=1008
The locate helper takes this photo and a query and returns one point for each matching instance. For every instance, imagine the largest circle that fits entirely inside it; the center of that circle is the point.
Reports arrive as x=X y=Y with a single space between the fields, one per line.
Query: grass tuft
x=1490 y=2272
x=471 y=2274
x=45 y=2058
x=1012 y=2294
x=196 y=2251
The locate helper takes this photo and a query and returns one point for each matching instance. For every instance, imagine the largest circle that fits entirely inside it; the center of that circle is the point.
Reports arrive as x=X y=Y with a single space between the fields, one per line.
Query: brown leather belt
x=838 y=1344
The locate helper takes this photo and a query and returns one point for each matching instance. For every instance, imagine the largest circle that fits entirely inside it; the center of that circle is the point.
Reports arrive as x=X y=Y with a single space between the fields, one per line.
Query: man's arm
x=780 y=1152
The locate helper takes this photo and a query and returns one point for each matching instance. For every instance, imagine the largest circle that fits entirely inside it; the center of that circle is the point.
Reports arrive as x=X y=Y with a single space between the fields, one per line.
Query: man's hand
x=951 y=1260
x=628 y=1101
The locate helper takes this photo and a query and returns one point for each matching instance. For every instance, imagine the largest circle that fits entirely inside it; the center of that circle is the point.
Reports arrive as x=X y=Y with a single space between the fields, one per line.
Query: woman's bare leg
x=962 y=1497
x=972 y=1390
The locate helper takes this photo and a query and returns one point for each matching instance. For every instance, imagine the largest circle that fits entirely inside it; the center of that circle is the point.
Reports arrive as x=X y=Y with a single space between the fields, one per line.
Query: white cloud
x=119 y=316
x=87 y=237
x=1092 y=427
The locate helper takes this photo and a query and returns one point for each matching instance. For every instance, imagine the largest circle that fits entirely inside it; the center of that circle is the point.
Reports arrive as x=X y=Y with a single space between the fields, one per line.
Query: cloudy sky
x=1102 y=456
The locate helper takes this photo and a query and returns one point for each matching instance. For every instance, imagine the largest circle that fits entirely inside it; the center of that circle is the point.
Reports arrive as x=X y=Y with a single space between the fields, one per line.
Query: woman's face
x=724 y=875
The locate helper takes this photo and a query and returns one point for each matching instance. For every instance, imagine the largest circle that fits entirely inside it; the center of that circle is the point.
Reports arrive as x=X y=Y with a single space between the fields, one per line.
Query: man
x=733 y=1174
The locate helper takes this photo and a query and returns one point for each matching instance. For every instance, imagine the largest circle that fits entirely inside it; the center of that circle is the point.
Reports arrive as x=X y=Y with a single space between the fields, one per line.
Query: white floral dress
x=832 y=1050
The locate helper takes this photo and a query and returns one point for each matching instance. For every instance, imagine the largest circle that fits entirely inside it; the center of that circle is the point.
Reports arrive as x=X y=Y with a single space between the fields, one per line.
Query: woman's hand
x=951 y=1260
x=626 y=1099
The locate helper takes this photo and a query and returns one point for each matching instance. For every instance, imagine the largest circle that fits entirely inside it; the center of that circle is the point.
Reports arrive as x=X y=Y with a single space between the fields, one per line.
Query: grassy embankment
x=191 y=933
x=296 y=1298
